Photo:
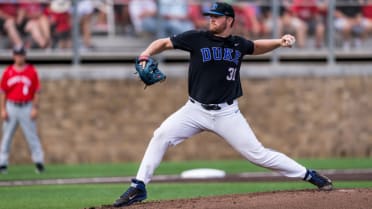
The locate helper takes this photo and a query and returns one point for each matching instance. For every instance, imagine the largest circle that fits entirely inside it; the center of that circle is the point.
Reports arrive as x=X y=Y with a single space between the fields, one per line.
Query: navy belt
x=211 y=106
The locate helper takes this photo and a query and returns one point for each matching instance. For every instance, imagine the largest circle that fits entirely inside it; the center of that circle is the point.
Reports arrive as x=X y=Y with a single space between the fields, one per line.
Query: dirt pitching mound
x=303 y=199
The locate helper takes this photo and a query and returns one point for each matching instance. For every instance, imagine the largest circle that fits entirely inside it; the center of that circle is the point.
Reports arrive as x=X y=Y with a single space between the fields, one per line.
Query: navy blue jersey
x=214 y=68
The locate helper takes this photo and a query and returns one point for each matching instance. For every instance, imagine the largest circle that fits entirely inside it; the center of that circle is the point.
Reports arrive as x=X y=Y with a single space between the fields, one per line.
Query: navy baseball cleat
x=3 y=169
x=39 y=168
x=135 y=193
x=321 y=181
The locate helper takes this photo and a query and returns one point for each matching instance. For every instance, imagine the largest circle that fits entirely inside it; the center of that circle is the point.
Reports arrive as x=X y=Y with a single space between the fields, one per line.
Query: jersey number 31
x=232 y=74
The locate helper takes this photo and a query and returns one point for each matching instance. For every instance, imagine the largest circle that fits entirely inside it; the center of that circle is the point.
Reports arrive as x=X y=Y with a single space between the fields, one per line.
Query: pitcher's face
x=218 y=24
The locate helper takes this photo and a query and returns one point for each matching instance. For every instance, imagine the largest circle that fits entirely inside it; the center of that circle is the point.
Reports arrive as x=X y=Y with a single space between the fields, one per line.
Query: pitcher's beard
x=217 y=29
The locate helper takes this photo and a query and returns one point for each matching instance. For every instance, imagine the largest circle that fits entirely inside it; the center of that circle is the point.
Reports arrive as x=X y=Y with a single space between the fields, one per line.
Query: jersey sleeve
x=249 y=46
x=182 y=41
x=36 y=80
x=3 y=84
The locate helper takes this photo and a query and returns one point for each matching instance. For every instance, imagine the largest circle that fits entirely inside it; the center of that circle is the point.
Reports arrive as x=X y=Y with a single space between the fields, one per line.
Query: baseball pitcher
x=214 y=87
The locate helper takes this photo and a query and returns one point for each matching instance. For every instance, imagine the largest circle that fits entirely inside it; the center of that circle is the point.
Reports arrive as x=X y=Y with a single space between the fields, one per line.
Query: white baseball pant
x=229 y=123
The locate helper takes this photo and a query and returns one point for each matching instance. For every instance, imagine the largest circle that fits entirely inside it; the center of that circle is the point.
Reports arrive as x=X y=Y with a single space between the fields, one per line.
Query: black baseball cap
x=20 y=50
x=220 y=9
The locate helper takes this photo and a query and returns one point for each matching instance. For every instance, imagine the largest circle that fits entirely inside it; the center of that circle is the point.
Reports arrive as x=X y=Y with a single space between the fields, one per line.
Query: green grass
x=81 y=196
x=26 y=172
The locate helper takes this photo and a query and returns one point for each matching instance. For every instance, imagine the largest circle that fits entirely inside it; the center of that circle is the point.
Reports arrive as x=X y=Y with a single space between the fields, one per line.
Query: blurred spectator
x=29 y=17
x=8 y=24
x=314 y=16
x=351 y=23
x=143 y=14
x=292 y=24
x=246 y=22
x=287 y=23
x=367 y=13
x=196 y=9
x=59 y=20
x=100 y=20
x=85 y=10
x=174 y=16
x=265 y=17
x=122 y=16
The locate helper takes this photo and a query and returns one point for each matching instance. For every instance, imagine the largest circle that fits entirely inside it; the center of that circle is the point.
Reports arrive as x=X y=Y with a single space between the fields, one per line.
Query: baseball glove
x=150 y=74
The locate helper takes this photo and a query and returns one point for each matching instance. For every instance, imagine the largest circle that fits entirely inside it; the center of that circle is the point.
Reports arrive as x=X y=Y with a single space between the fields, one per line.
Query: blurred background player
x=20 y=86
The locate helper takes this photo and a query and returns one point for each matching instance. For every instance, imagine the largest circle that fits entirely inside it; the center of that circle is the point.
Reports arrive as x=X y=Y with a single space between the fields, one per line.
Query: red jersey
x=367 y=11
x=305 y=10
x=20 y=86
x=32 y=9
x=61 y=20
x=9 y=9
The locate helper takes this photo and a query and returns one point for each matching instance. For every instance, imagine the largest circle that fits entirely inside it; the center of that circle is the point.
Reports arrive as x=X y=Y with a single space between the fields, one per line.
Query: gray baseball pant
x=20 y=115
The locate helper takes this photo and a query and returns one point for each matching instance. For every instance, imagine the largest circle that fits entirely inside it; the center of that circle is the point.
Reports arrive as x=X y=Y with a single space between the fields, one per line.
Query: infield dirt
x=303 y=199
